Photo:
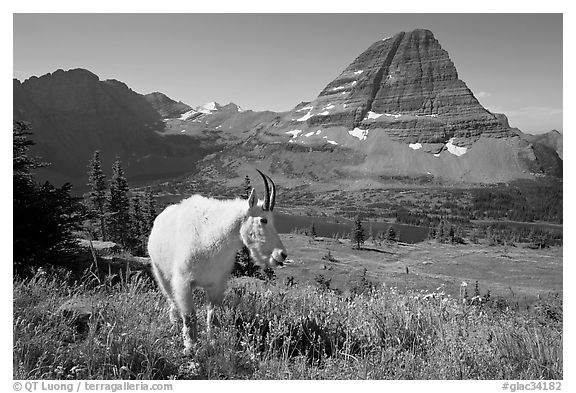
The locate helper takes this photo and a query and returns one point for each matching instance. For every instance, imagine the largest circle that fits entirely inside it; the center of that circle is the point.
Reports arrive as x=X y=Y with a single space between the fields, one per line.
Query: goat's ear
x=252 y=199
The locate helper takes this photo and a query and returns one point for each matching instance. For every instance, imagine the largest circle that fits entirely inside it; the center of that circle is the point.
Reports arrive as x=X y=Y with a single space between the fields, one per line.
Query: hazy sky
x=512 y=62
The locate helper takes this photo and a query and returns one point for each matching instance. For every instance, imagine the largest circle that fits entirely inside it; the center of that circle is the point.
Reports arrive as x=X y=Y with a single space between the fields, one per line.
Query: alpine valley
x=398 y=111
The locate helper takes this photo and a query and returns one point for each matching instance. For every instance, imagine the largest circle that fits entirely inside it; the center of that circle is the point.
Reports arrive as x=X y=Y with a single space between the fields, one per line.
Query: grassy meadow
x=370 y=327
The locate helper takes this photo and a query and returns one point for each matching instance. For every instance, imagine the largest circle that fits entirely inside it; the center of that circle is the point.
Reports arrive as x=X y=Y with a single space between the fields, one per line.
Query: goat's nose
x=283 y=255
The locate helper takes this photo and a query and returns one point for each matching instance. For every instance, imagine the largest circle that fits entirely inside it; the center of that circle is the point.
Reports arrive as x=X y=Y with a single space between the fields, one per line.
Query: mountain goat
x=194 y=244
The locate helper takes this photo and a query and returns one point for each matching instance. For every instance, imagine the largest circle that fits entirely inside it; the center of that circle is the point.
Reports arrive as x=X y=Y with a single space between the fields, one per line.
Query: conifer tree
x=119 y=205
x=390 y=234
x=97 y=194
x=44 y=217
x=370 y=233
x=313 y=230
x=137 y=227
x=244 y=264
x=441 y=231
x=358 y=233
x=247 y=188
x=148 y=211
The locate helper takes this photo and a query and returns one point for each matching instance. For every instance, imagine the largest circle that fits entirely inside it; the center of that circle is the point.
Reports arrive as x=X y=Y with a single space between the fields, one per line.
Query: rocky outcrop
x=165 y=106
x=551 y=139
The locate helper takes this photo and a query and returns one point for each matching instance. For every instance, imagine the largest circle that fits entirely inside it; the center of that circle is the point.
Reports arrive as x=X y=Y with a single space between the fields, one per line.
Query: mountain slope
x=72 y=113
x=551 y=139
x=399 y=109
x=165 y=106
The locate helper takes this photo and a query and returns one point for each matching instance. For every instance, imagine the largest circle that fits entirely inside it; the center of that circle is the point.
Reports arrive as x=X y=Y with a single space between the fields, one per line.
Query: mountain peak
x=213 y=106
x=209 y=107
x=408 y=85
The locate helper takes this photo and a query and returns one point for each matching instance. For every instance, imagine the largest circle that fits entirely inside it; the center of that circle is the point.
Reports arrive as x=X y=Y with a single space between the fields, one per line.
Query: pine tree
x=119 y=205
x=244 y=264
x=247 y=188
x=390 y=234
x=441 y=231
x=313 y=230
x=137 y=227
x=370 y=233
x=148 y=211
x=44 y=217
x=358 y=233
x=97 y=194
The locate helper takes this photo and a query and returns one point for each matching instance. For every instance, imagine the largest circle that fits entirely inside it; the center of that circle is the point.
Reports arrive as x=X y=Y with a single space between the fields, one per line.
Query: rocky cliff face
x=165 y=106
x=408 y=86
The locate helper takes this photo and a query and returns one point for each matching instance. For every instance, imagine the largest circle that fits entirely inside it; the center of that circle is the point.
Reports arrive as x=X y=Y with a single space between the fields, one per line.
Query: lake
x=330 y=226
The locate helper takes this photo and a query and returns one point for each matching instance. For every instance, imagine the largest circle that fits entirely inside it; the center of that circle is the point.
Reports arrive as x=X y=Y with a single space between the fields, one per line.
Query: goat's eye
x=263 y=220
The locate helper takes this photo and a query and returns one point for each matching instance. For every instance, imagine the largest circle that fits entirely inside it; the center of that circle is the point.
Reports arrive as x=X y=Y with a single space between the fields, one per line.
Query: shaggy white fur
x=194 y=243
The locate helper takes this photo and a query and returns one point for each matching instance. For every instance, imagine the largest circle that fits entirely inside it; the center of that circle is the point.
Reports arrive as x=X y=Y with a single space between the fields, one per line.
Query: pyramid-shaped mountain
x=408 y=86
x=400 y=109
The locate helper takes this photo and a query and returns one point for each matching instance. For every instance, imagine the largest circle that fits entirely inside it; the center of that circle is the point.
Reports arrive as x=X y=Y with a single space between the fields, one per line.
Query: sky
x=511 y=62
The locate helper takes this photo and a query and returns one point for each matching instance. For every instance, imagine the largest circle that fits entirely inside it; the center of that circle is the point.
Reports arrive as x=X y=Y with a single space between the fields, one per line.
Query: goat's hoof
x=189 y=369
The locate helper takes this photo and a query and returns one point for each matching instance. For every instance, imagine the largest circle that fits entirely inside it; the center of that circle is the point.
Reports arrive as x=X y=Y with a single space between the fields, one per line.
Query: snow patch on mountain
x=294 y=133
x=306 y=116
x=208 y=108
x=309 y=108
x=456 y=150
x=188 y=114
x=330 y=141
x=373 y=115
x=345 y=86
x=359 y=133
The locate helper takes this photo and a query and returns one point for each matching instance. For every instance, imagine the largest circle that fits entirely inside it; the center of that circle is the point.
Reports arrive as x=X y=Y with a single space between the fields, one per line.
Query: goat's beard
x=260 y=258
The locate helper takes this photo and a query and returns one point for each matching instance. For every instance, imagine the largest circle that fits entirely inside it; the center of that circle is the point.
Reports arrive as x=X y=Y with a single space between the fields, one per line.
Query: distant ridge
x=73 y=113
x=398 y=110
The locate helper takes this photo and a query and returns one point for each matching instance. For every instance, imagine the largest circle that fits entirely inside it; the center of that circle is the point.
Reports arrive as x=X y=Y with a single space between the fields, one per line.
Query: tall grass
x=277 y=332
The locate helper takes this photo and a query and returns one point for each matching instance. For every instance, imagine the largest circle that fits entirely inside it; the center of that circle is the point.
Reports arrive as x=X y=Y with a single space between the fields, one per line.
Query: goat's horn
x=273 y=196
x=267 y=200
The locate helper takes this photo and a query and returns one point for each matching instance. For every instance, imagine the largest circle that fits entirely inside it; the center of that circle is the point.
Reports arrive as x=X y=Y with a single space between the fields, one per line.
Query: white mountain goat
x=194 y=244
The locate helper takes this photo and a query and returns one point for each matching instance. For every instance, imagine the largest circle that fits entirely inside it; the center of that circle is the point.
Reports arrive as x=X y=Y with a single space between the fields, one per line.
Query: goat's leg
x=215 y=296
x=189 y=331
x=166 y=288
x=184 y=303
